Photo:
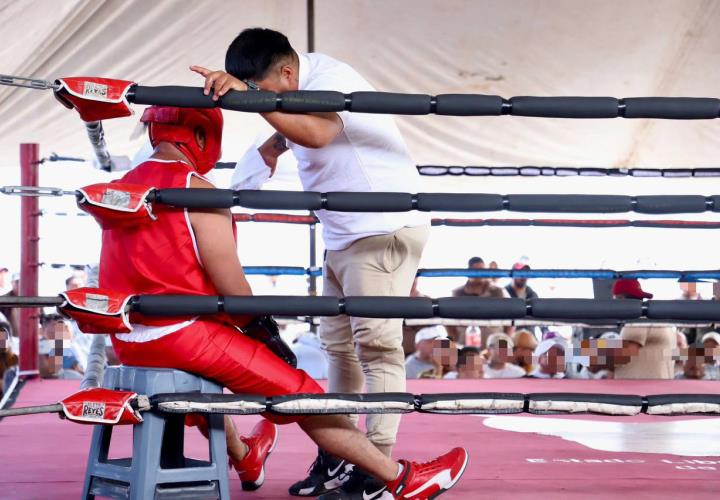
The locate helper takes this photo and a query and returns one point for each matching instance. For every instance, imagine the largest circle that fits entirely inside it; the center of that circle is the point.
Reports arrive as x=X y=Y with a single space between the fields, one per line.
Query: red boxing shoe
x=261 y=442
x=430 y=479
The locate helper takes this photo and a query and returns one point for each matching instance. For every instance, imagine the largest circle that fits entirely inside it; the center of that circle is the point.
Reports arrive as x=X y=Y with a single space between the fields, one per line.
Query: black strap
x=264 y=329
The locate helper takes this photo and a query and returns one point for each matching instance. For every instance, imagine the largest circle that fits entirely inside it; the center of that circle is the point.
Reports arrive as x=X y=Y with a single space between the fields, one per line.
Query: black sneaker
x=360 y=486
x=326 y=474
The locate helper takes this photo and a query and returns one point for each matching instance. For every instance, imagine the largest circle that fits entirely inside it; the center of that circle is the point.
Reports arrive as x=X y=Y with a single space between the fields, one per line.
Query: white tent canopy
x=507 y=47
x=518 y=47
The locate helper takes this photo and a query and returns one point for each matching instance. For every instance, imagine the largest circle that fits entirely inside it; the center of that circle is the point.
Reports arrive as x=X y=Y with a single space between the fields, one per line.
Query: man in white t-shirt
x=422 y=359
x=367 y=253
x=500 y=347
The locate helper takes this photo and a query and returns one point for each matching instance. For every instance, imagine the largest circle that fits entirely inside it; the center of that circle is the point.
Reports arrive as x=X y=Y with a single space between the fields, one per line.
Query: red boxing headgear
x=178 y=126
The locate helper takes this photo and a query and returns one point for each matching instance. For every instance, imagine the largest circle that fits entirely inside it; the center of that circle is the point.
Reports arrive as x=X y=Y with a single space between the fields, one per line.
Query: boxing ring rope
x=603 y=274
x=533 y=171
x=307 y=101
x=279 y=218
x=478 y=403
x=454 y=222
x=470 y=307
x=427 y=202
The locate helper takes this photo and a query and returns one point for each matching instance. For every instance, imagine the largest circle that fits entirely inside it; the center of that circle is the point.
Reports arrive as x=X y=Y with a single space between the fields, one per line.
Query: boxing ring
x=512 y=456
x=625 y=452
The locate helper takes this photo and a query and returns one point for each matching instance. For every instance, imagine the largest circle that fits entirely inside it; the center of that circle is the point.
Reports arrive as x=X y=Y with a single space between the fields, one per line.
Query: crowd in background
x=635 y=352
x=437 y=351
x=62 y=348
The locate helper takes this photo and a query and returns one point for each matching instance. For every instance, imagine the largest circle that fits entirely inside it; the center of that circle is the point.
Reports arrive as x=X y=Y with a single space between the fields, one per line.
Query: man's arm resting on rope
x=217 y=247
x=310 y=130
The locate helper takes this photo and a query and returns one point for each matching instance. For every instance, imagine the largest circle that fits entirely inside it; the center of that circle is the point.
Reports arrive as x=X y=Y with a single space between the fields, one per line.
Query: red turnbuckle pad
x=103 y=406
x=116 y=204
x=97 y=310
x=95 y=99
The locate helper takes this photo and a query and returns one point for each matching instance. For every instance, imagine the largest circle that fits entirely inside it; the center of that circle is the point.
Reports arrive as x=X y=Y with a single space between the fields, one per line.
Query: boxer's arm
x=217 y=247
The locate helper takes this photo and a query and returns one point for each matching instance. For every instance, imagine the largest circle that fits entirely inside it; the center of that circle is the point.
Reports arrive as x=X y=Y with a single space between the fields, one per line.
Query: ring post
x=29 y=213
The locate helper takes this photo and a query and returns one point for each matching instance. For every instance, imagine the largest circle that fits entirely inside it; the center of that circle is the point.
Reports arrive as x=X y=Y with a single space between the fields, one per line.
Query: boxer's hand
x=218 y=81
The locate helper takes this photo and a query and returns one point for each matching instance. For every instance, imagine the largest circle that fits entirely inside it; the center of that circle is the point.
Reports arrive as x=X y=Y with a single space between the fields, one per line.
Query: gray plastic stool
x=158 y=469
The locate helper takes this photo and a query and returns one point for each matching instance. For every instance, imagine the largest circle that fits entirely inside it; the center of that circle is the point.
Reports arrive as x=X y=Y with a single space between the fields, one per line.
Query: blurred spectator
x=647 y=351
x=11 y=289
x=493 y=265
x=525 y=343
x=422 y=359
x=594 y=357
x=550 y=357
x=5 y=281
x=500 y=347
x=688 y=291
x=410 y=331
x=470 y=364
x=694 y=366
x=519 y=288
x=480 y=287
x=8 y=359
x=414 y=291
x=444 y=359
x=681 y=344
x=310 y=355
x=711 y=345
x=76 y=280
x=477 y=287
x=57 y=359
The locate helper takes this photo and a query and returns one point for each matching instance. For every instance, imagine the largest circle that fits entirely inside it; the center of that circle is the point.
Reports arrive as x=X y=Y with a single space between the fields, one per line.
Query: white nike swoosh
x=332 y=472
x=373 y=494
x=441 y=479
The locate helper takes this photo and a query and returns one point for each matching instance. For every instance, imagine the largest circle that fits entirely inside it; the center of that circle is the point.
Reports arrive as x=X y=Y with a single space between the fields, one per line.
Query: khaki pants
x=369 y=350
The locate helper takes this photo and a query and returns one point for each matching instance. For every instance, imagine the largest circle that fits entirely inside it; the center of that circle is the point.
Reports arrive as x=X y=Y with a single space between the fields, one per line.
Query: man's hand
x=219 y=81
x=271 y=149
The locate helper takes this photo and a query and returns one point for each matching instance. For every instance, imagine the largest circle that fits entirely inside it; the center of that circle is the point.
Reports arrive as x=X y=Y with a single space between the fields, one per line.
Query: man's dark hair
x=47 y=319
x=254 y=51
x=465 y=353
x=475 y=260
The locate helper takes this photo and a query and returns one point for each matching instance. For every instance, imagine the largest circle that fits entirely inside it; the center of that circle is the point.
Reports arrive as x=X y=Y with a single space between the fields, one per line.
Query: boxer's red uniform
x=160 y=257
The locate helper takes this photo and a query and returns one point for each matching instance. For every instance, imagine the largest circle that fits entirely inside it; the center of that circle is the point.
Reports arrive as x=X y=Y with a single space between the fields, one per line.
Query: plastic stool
x=158 y=469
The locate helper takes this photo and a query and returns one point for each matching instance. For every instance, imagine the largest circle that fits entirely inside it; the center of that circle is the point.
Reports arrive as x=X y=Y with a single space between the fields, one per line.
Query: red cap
x=630 y=288
x=520 y=266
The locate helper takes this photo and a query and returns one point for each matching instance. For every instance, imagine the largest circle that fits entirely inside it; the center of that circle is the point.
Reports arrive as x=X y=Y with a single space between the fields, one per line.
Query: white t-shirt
x=414 y=366
x=508 y=371
x=537 y=373
x=369 y=155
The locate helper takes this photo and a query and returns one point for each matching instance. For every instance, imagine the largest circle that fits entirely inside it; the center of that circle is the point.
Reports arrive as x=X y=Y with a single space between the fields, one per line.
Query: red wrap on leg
x=221 y=353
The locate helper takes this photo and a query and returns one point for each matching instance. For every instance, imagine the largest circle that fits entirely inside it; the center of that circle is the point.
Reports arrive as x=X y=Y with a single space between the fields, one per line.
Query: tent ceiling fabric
x=519 y=47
